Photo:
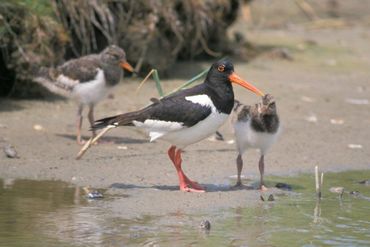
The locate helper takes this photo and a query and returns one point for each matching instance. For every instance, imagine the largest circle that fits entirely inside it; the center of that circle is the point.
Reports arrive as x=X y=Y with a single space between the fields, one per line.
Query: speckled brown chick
x=256 y=126
x=86 y=79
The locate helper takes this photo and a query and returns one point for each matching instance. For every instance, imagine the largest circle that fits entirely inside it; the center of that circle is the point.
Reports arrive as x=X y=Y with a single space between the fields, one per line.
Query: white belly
x=91 y=92
x=246 y=138
x=203 y=129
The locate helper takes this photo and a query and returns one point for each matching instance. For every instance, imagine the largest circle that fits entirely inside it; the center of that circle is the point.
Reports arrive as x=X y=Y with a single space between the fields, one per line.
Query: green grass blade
x=191 y=81
x=158 y=83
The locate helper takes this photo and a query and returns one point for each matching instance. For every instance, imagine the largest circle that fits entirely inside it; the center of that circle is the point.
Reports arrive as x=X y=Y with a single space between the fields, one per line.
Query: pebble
x=38 y=127
x=230 y=141
x=358 y=101
x=312 y=118
x=338 y=190
x=10 y=151
x=307 y=99
x=205 y=224
x=336 y=121
x=354 y=193
x=366 y=182
x=95 y=195
x=355 y=146
x=283 y=186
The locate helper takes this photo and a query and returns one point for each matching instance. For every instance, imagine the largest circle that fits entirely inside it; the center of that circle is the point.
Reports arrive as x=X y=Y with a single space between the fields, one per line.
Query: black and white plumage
x=86 y=79
x=187 y=116
x=255 y=126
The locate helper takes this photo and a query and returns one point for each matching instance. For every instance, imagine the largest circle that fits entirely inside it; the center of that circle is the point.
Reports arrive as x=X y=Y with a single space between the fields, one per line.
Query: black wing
x=175 y=108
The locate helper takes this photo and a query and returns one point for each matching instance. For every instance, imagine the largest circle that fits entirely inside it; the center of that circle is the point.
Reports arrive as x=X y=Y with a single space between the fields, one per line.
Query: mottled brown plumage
x=86 y=79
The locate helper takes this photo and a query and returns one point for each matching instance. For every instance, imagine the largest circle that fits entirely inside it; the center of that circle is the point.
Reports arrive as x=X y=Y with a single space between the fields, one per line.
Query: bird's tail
x=125 y=119
x=47 y=77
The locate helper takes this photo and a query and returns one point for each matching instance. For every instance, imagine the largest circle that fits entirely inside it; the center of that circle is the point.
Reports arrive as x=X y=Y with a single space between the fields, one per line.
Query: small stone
x=357 y=101
x=271 y=198
x=337 y=190
x=307 y=99
x=336 y=121
x=230 y=141
x=312 y=118
x=95 y=195
x=354 y=193
x=122 y=147
x=354 y=146
x=38 y=127
x=205 y=224
x=366 y=182
x=10 y=151
x=92 y=194
x=283 y=186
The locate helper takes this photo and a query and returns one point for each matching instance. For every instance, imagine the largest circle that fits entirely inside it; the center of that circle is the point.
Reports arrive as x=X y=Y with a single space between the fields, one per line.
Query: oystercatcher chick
x=86 y=79
x=255 y=126
x=187 y=116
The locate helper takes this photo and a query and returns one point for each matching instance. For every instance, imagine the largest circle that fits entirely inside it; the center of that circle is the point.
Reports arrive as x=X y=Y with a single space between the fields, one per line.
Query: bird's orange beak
x=127 y=66
x=236 y=79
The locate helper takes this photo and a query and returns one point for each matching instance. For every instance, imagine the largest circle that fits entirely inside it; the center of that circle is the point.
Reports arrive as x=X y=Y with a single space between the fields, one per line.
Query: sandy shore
x=322 y=97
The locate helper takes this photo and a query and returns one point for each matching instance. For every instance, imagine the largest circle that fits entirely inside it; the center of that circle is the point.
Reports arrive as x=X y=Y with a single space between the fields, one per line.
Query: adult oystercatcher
x=187 y=116
x=86 y=79
x=255 y=126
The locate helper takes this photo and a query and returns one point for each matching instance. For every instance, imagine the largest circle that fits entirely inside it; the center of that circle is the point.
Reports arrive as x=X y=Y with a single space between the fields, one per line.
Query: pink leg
x=261 y=166
x=79 y=124
x=171 y=153
x=239 y=165
x=184 y=181
x=90 y=116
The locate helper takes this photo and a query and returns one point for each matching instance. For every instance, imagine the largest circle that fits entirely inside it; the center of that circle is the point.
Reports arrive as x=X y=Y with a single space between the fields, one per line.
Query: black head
x=114 y=55
x=222 y=72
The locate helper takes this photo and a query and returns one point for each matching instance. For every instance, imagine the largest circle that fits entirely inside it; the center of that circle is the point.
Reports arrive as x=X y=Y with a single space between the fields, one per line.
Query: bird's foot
x=81 y=141
x=240 y=185
x=193 y=184
x=186 y=188
x=263 y=188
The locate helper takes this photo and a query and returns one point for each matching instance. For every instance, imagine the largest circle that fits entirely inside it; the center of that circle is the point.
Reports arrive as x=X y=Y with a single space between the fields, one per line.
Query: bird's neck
x=222 y=96
x=113 y=74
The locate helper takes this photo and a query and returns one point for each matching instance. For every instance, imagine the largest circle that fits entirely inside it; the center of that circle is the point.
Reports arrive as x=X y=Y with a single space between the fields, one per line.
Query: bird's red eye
x=221 y=68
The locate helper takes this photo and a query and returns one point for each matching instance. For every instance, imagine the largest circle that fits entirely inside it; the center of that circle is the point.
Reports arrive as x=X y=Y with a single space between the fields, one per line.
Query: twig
x=317 y=181
x=307 y=9
x=143 y=81
x=92 y=141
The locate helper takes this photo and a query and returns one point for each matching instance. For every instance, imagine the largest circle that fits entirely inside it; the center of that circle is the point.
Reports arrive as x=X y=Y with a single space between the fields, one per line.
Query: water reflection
x=53 y=213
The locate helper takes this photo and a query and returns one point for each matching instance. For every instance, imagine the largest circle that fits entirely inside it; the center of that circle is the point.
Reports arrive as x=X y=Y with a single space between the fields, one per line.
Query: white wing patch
x=158 y=128
x=203 y=100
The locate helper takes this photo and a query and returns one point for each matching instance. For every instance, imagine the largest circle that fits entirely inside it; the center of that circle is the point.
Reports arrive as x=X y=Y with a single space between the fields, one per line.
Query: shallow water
x=53 y=213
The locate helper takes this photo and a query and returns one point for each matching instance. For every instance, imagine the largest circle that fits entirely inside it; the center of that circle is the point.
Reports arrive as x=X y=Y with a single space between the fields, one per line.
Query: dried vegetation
x=154 y=33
